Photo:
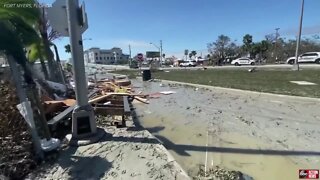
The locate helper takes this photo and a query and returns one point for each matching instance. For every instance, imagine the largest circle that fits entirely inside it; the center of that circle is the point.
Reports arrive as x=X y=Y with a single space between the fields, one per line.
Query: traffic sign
x=140 y=56
x=57 y=15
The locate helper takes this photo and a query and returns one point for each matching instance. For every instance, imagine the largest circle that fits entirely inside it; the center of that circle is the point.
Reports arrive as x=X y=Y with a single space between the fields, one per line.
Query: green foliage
x=29 y=15
x=222 y=48
x=67 y=48
x=16 y=28
x=36 y=51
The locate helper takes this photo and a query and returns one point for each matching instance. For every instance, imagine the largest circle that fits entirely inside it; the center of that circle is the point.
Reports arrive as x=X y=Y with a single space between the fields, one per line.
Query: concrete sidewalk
x=130 y=153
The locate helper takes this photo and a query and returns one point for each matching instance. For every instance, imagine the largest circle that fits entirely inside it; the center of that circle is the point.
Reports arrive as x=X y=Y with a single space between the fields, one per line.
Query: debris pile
x=16 y=157
x=220 y=173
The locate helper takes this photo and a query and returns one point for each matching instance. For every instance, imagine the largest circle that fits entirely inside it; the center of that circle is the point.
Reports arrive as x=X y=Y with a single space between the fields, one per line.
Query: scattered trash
x=166 y=71
x=49 y=145
x=167 y=92
x=252 y=70
x=57 y=86
x=303 y=83
x=107 y=103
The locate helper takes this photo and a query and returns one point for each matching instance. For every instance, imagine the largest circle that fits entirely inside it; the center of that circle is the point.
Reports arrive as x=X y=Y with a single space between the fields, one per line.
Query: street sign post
x=57 y=15
x=71 y=20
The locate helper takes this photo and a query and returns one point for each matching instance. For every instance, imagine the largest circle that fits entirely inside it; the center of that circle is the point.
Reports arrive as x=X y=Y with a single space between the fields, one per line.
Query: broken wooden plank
x=64 y=114
x=141 y=100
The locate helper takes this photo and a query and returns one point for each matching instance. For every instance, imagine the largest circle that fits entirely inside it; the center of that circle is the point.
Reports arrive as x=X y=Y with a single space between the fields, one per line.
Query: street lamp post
x=299 y=38
x=159 y=48
x=276 y=43
x=87 y=59
x=115 y=59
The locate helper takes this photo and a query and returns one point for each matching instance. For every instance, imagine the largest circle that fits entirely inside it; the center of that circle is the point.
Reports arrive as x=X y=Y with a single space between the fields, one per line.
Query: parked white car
x=188 y=64
x=309 y=57
x=243 y=61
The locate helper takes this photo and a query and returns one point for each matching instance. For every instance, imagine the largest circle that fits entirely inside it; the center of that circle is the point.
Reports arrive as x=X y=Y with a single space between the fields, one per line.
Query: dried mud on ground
x=131 y=153
x=263 y=136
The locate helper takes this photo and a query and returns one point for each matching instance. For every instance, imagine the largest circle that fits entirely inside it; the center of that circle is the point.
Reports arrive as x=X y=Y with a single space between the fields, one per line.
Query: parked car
x=243 y=61
x=188 y=64
x=309 y=57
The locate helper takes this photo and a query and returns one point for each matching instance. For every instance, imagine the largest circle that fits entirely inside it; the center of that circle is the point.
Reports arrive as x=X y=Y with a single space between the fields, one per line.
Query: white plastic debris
x=57 y=86
x=106 y=103
x=49 y=145
x=167 y=92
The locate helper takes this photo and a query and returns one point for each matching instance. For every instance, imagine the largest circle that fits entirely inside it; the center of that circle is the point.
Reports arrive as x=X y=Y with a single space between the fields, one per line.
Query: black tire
x=317 y=61
x=190 y=65
x=252 y=64
x=291 y=61
x=237 y=64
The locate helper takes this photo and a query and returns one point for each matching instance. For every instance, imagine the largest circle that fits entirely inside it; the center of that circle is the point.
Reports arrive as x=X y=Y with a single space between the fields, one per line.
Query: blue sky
x=189 y=24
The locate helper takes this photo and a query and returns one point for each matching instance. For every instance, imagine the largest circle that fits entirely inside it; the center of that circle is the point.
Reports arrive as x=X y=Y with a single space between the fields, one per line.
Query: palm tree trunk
x=23 y=97
x=44 y=35
x=33 y=96
x=62 y=77
x=43 y=66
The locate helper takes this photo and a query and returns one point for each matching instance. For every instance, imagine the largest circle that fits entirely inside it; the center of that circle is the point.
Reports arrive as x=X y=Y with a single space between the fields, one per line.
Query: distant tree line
x=270 y=50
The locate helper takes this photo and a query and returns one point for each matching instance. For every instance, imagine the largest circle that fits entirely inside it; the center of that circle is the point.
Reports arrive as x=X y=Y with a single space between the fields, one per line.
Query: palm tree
x=43 y=26
x=16 y=33
x=35 y=52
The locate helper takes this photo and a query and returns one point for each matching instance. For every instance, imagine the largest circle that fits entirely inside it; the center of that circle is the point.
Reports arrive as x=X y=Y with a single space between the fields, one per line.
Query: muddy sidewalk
x=264 y=136
x=131 y=153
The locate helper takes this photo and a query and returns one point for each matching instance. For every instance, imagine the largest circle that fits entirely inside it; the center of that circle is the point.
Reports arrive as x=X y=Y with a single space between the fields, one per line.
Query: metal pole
x=130 y=60
x=83 y=109
x=299 y=38
x=77 y=53
x=160 y=52
x=275 y=45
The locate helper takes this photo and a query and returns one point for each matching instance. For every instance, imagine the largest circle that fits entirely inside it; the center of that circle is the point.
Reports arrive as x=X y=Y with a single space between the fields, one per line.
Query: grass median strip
x=271 y=81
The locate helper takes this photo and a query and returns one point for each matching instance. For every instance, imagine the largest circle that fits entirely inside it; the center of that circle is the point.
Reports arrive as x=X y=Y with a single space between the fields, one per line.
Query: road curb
x=243 y=91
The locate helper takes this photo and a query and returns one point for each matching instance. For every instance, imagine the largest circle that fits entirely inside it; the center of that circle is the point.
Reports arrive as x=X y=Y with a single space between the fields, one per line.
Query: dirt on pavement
x=264 y=136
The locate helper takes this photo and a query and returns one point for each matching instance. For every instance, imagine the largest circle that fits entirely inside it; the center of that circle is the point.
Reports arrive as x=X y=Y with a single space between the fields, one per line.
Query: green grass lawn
x=272 y=81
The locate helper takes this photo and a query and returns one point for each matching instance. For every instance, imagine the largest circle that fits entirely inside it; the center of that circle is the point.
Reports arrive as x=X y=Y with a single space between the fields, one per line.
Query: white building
x=105 y=56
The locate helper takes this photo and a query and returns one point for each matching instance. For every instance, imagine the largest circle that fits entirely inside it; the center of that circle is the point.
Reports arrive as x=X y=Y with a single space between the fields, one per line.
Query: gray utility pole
x=275 y=45
x=160 y=52
x=83 y=119
x=130 y=61
x=296 y=64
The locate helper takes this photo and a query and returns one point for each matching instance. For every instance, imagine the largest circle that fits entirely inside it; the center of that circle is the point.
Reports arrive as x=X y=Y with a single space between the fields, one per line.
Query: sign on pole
x=57 y=15
x=140 y=57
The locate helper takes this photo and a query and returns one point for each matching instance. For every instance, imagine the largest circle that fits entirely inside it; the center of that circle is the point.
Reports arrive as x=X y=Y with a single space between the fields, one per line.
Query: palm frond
x=29 y=15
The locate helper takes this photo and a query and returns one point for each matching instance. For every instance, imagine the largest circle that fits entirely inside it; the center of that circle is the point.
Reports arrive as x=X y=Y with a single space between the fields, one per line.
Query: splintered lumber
x=123 y=82
x=100 y=98
x=66 y=113
x=141 y=100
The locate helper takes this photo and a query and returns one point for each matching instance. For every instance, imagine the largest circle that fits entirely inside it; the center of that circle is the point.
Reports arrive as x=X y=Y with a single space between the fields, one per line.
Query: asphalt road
x=269 y=66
